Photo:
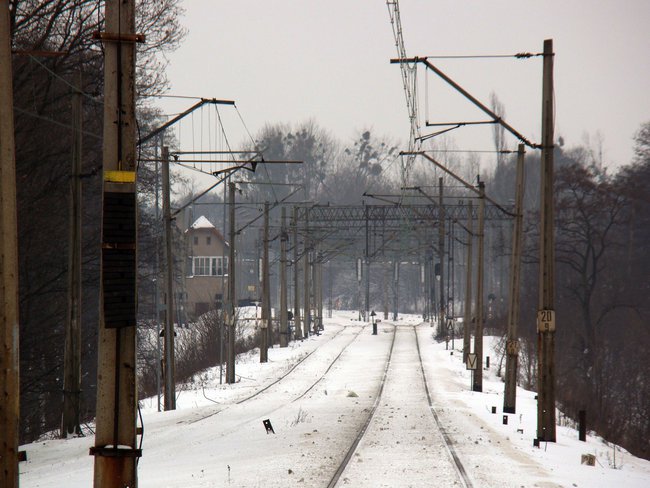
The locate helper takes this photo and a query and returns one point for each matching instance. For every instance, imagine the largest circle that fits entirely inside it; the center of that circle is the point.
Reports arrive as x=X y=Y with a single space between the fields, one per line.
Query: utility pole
x=385 y=290
x=512 y=342
x=157 y=283
x=396 y=288
x=284 y=324
x=169 y=334
x=441 y=258
x=432 y=289
x=359 y=279
x=297 y=326
x=330 y=304
x=319 y=292
x=266 y=291
x=9 y=377
x=115 y=448
x=423 y=282
x=314 y=288
x=367 y=263
x=478 y=337
x=367 y=300
x=232 y=299
x=70 y=424
x=451 y=270
x=467 y=316
x=546 y=308
x=306 y=279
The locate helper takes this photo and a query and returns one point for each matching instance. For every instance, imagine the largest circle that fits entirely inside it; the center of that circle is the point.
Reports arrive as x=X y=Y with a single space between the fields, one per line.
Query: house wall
x=204 y=291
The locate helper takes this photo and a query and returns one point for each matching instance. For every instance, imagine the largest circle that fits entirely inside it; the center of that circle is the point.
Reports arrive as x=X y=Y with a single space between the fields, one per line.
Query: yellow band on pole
x=119 y=176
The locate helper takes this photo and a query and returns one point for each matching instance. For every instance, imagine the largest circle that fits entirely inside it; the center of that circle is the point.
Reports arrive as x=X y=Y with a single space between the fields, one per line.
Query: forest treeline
x=602 y=223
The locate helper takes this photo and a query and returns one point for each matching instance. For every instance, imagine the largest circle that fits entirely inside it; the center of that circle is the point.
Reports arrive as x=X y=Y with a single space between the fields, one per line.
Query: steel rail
x=460 y=468
x=346 y=460
x=298 y=363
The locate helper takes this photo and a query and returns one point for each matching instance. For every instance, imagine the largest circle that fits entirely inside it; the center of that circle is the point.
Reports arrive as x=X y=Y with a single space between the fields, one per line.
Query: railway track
x=300 y=363
x=296 y=367
x=400 y=410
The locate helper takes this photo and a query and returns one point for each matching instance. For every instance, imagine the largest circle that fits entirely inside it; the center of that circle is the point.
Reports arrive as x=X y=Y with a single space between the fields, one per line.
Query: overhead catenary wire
x=245 y=126
x=55 y=122
x=223 y=130
x=275 y=204
x=74 y=88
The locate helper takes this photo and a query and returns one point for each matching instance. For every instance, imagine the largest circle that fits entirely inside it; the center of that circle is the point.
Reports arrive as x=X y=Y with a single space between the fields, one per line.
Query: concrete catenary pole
x=115 y=448
x=395 y=288
x=384 y=285
x=441 y=259
x=168 y=339
x=367 y=265
x=157 y=281
x=423 y=285
x=296 y=289
x=232 y=298
x=478 y=337
x=467 y=316
x=367 y=300
x=266 y=291
x=318 y=294
x=512 y=343
x=284 y=322
x=546 y=307
x=70 y=422
x=9 y=376
x=359 y=279
x=306 y=278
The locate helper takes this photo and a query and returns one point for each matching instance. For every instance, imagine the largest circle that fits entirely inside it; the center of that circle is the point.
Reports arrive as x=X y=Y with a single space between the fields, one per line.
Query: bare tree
x=361 y=168
x=589 y=212
x=53 y=40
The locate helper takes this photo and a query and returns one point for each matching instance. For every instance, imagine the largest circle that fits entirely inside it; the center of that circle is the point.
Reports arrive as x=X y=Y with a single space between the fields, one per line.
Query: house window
x=196 y=240
x=208 y=240
x=210 y=266
x=201 y=266
x=222 y=266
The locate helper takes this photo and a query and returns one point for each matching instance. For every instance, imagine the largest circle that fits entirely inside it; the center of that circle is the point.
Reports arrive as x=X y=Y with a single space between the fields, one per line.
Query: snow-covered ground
x=216 y=438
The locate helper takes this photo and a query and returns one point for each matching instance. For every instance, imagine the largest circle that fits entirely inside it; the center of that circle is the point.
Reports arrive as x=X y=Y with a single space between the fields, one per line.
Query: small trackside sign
x=472 y=361
x=546 y=321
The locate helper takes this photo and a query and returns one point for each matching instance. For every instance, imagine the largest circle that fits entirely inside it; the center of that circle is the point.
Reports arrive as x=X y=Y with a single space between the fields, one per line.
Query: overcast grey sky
x=292 y=60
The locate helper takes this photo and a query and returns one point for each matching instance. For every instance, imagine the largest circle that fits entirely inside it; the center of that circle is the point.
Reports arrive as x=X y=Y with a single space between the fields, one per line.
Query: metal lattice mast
x=409 y=80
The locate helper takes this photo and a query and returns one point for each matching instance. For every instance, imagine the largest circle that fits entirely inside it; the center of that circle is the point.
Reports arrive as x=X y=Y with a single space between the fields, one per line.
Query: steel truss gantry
x=374 y=230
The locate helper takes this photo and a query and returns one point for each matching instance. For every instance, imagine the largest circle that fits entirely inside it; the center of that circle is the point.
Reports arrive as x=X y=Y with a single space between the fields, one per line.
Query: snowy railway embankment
x=389 y=410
